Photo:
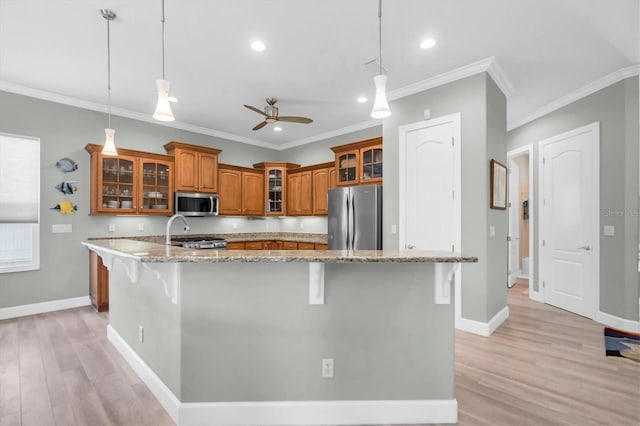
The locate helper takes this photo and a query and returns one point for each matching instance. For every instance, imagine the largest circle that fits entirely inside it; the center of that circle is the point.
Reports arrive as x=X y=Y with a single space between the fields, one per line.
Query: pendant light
x=380 y=105
x=109 y=146
x=163 y=109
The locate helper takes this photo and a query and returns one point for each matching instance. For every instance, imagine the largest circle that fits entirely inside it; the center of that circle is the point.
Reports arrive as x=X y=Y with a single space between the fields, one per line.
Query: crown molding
x=79 y=103
x=578 y=94
x=338 y=132
x=489 y=65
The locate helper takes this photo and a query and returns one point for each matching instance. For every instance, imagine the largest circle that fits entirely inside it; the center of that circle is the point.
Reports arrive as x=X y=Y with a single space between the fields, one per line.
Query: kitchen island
x=245 y=337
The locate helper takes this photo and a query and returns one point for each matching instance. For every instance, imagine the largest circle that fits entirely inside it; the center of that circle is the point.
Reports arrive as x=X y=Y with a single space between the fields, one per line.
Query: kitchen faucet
x=187 y=228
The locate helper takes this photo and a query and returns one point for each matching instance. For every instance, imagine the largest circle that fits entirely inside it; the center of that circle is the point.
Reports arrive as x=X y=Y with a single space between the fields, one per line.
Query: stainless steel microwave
x=196 y=204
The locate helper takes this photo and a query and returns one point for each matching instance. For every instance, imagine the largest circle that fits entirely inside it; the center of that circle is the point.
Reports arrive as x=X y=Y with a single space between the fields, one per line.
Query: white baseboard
x=286 y=413
x=40 y=308
x=166 y=398
x=535 y=295
x=617 y=322
x=483 y=328
x=295 y=413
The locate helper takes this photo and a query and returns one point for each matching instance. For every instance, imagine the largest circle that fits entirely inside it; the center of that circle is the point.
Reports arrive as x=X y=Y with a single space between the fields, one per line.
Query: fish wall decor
x=65 y=207
x=67 y=187
x=67 y=165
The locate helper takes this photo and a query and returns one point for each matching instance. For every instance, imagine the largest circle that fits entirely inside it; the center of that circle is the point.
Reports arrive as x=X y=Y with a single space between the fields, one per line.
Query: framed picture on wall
x=498 y=186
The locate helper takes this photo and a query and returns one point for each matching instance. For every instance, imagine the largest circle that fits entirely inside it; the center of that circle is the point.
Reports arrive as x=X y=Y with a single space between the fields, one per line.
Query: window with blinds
x=19 y=203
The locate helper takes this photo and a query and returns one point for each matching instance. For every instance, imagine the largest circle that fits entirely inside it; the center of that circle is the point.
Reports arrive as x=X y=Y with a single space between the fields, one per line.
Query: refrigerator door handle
x=353 y=222
x=348 y=223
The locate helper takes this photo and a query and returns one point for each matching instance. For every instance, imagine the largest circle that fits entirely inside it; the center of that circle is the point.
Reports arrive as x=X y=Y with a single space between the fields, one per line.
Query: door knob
x=410 y=246
x=586 y=248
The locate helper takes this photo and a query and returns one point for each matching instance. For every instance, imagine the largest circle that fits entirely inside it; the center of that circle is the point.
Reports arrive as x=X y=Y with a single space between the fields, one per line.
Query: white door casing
x=569 y=182
x=429 y=188
x=514 y=221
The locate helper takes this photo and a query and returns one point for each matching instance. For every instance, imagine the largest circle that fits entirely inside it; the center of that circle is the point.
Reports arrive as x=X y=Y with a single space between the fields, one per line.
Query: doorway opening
x=521 y=219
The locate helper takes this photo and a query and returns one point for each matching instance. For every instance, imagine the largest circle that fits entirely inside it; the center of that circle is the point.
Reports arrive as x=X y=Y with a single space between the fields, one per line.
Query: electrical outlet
x=327 y=368
x=235 y=225
x=609 y=230
x=61 y=228
x=301 y=225
x=112 y=227
x=140 y=334
x=492 y=231
x=427 y=114
x=141 y=227
x=394 y=229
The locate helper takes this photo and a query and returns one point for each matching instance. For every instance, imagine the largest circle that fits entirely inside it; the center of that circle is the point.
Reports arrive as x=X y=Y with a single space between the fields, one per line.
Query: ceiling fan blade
x=261 y=125
x=293 y=119
x=252 y=108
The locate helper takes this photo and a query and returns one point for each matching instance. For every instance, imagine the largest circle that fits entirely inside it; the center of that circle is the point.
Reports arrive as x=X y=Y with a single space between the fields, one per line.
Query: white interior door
x=569 y=220
x=429 y=178
x=514 y=221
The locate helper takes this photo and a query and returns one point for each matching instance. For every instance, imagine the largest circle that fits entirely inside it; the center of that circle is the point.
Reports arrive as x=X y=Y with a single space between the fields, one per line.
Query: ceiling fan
x=271 y=115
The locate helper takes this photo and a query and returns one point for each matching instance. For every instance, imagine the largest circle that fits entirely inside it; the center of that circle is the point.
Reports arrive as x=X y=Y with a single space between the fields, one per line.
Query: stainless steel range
x=201 y=242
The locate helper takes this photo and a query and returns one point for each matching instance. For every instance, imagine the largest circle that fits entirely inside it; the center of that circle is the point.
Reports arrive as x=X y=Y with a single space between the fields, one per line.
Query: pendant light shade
x=380 y=105
x=163 y=108
x=109 y=145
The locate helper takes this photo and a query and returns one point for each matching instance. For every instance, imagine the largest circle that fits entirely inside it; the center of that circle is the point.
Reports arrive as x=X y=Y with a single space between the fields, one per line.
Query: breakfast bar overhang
x=239 y=337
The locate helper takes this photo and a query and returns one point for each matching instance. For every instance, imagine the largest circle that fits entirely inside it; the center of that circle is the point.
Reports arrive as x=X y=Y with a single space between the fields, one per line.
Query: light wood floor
x=543 y=366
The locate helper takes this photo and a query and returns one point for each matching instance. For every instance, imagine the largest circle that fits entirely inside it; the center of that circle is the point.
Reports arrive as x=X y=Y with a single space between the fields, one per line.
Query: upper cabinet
x=275 y=186
x=307 y=189
x=196 y=167
x=241 y=191
x=133 y=182
x=359 y=163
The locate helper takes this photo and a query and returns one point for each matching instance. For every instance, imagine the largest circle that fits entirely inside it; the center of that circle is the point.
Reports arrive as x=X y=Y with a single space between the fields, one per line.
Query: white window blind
x=19 y=203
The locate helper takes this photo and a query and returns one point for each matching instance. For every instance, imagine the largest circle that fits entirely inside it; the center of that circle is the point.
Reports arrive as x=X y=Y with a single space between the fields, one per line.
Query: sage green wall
x=320 y=152
x=246 y=332
x=616 y=109
x=483 y=283
x=63 y=132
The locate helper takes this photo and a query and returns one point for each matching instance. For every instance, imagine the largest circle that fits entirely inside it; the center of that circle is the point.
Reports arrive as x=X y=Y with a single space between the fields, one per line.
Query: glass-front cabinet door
x=118 y=184
x=347 y=165
x=275 y=191
x=155 y=196
x=371 y=166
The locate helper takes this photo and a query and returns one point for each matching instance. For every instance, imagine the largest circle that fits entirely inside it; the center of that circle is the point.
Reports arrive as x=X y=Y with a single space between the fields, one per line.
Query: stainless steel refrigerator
x=355 y=218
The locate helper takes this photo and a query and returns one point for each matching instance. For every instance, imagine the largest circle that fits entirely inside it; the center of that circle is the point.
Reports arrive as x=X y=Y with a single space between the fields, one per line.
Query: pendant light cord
x=379 y=34
x=162 y=20
x=109 y=68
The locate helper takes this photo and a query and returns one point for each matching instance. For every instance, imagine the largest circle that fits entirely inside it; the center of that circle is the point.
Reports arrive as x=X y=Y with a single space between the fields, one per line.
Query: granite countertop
x=151 y=252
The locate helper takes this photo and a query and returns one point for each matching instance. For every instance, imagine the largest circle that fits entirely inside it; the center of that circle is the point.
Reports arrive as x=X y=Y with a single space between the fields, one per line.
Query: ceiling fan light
x=163 y=108
x=109 y=147
x=380 y=104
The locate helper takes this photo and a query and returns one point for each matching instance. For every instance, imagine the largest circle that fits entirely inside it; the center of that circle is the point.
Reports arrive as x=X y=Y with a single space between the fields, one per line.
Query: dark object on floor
x=622 y=343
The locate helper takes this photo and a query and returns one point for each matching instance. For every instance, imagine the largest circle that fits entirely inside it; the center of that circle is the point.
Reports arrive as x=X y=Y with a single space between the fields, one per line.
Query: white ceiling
x=315 y=53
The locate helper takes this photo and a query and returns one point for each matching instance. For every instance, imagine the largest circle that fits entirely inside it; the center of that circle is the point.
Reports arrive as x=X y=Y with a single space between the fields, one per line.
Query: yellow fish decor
x=67 y=187
x=65 y=207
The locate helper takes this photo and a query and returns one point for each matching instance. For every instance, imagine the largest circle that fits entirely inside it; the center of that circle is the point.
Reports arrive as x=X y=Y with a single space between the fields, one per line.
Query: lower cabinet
x=98 y=283
x=289 y=245
x=253 y=245
x=274 y=245
x=321 y=246
x=306 y=246
x=239 y=245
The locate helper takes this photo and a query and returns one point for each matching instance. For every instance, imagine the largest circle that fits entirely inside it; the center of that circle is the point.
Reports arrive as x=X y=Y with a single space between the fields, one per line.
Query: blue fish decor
x=67 y=187
x=67 y=165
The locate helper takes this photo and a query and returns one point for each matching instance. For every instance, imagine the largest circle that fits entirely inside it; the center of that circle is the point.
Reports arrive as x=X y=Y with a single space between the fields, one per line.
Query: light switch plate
x=492 y=231
x=58 y=228
x=394 y=229
x=609 y=230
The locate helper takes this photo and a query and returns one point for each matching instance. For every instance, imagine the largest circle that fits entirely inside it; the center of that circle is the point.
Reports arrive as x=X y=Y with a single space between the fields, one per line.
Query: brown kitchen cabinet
x=332 y=177
x=320 y=192
x=306 y=246
x=254 y=245
x=359 y=163
x=132 y=182
x=300 y=193
x=236 y=245
x=289 y=245
x=196 y=167
x=318 y=246
x=275 y=182
x=98 y=283
x=241 y=191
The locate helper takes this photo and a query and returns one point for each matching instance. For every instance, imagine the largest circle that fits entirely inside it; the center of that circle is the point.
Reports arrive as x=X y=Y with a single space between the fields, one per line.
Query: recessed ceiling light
x=172 y=99
x=277 y=129
x=258 y=46
x=362 y=99
x=428 y=43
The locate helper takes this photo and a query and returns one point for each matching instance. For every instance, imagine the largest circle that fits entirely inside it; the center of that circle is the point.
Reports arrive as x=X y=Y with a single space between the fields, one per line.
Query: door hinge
x=544 y=160
x=544 y=243
x=509 y=204
x=453 y=247
x=544 y=285
x=452 y=141
x=508 y=238
x=453 y=195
